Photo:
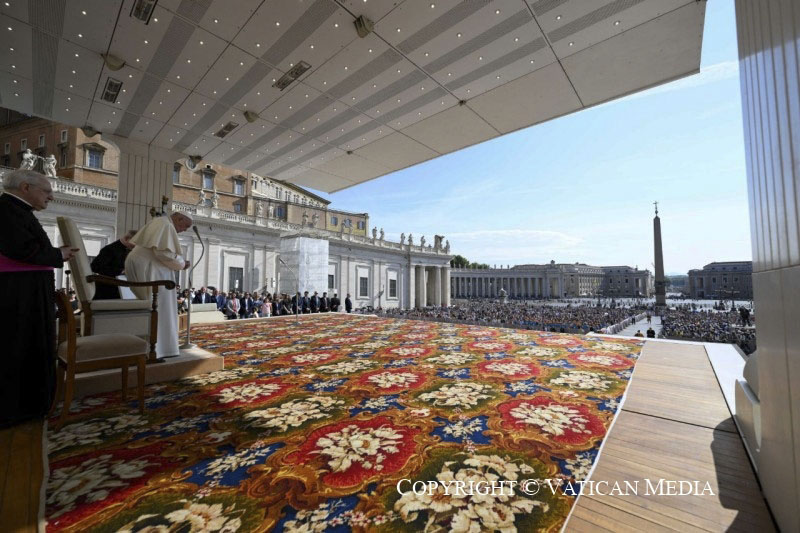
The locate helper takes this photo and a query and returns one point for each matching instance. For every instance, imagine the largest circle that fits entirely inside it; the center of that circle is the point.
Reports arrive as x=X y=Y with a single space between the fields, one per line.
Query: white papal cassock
x=156 y=256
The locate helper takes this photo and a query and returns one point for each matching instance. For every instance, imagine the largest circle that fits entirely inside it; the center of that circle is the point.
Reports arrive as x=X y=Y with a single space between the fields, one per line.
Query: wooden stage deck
x=674 y=425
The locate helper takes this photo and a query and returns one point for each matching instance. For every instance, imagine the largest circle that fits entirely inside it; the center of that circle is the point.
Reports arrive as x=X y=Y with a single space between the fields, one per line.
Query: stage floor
x=312 y=424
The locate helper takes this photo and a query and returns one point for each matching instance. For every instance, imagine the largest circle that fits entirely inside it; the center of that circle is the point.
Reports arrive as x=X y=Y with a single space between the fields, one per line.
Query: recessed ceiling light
x=335 y=24
x=146 y=41
x=76 y=55
x=398 y=30
x=202 y=43
x=324 y=83
x=16 y=94
x=80 y=36
x=467 y=90
x=155 y=20
x=227 y=78
x=72 y=71
x=498 y=76
x=426 y=54
x=169 y=90
x=516 y=39
x=422 y=88
x=558 y=17
x=137 y=59
x=571 y=43
x=531 y=61
x=449 y=73
x=398 y=71
x=67 y=109
x=10 y=28
x=345 y=67
x=241 y=63
x=398 y=100
x=216 y=21
x=83 y=12
x=258 y=45
x=13 y=66
x=480 y=58
x=616 y=23
x=458 y=35
x=433 y=5
x=258 y=93
x=188 y=60
x=15 y=81
x=70 y=86
x=178 y=76
x=215 y=92
x=370 y=50
x=374 y=85
x=496 y=11
x=311 y=46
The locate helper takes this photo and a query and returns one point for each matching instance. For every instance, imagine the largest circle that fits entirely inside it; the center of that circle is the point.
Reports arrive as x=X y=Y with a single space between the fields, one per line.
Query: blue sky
x=581 y=187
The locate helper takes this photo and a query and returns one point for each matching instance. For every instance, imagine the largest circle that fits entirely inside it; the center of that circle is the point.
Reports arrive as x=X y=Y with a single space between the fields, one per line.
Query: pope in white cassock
x=156 y=256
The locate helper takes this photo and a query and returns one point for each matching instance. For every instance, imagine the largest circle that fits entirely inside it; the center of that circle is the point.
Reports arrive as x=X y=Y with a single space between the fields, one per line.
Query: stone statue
x=447 y=247
x=422 y=241
x=402 y=238
x=271 y=210
x=215 y=200
x=259 y=209
x=202 y=199
x=381 y=233
x=437 y=242
x=305 y=218
x=503 y=295
x=28 y=160
x=410 y=239
x=375 y=232
x=314 y=220
x=50 y=166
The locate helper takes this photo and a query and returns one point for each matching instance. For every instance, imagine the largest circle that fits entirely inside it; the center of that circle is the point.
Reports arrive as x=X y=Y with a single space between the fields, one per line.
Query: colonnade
x=515 y=286
x=430 y=286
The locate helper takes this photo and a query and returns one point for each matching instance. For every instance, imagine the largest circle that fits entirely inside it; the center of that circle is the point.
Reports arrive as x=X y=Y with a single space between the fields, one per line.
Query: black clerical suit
x=348 y=305
x=109 y=262
x=27 y=308
x=335 y=304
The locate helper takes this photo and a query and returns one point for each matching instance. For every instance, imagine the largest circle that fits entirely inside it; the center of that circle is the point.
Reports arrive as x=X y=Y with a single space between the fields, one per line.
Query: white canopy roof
x=432 y=77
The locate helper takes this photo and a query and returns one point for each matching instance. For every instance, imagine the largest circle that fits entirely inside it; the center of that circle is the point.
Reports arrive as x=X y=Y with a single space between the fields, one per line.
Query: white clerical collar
x=18 y=198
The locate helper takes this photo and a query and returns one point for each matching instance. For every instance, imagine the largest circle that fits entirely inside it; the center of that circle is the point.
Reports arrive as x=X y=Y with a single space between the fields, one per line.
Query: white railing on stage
x=280 y=224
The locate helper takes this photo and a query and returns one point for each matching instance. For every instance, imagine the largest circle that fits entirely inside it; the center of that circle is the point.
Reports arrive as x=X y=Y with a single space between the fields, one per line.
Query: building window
x=176 y=173
x=7 y=149
x=208 y=180
x=94 y=158
x=361 y=224
x=41 y=141
x=209 y=202
x=363 y=287
x=279 y=212
x=23 y=145
x=63 y=162
x=334 y=221
x=238 y=187
x=392 y=288
x=237 y=208
x=331 y=281
x=64 y=136
x=6 y=161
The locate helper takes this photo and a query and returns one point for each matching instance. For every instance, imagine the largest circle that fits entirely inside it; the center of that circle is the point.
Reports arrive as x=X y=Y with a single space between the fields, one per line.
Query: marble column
x=411 y=287
x=421 y=286
x=445 y=275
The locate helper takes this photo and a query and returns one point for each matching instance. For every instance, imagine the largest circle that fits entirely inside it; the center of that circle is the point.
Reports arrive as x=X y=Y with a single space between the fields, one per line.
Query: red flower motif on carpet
x=606 y=360
x=267 y=343
x=563 y=423
x=387 y=381
x=416 y=336
x=311 y=358
x=490 y=346
x=352 y=451
x=84 y=485
x=343 y=339
x=408 y=350
x=252 y=392
x=509 y=368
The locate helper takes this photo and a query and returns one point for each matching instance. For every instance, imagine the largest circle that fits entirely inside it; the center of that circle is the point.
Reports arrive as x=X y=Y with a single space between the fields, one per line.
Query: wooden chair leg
x=59 y=387
x=140 y=369
x=69 y=384
x=124 y=383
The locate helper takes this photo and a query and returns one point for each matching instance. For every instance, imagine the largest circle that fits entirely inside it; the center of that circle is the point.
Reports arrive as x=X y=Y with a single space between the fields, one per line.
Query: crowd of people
x=733 y=326
x=238 y=305
x=566 y=318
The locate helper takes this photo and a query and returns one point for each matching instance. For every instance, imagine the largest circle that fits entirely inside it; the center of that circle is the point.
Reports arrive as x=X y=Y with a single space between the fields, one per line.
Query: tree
x=459 y=261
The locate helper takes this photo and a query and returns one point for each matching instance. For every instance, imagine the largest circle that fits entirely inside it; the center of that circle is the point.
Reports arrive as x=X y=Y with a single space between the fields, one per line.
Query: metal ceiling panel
x=396 y=151
x=450 y=130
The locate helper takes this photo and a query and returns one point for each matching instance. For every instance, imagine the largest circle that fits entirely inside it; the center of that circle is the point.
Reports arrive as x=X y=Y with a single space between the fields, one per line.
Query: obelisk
x=661 y=284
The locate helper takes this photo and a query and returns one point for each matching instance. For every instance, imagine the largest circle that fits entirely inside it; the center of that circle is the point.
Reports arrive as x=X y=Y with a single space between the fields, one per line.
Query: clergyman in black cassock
x=111 y=262
x=27 y=308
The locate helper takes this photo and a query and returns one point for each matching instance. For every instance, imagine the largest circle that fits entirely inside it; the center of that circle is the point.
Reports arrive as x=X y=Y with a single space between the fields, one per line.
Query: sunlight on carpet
x=311 y=426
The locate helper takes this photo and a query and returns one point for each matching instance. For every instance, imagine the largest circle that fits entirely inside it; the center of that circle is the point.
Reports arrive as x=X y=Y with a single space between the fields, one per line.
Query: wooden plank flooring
x=674 y=425
x=21 y=473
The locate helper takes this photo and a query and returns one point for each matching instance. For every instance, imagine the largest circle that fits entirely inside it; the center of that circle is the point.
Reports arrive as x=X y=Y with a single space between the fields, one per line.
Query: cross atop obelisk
x=661 y=284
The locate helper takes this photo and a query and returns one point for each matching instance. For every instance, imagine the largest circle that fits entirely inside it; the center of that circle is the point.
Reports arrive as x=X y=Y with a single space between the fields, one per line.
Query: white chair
x=136 y=317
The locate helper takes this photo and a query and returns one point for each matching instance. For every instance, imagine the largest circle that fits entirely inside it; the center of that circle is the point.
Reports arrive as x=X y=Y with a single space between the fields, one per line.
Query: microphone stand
x=297 y=293
x=188 y=344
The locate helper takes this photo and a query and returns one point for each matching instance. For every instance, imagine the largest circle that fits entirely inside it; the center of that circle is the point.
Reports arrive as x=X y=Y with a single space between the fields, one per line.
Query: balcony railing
x=70 y=188
x=280 y=224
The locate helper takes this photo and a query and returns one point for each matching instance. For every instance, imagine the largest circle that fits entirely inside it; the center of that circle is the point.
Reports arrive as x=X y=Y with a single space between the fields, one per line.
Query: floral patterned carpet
x=311 y=426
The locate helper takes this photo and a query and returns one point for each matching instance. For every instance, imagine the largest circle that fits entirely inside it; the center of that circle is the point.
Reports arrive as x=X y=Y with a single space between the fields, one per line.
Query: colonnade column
x=437 y=286
x=445 y=275
x=420 y=275
x=411 y=287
